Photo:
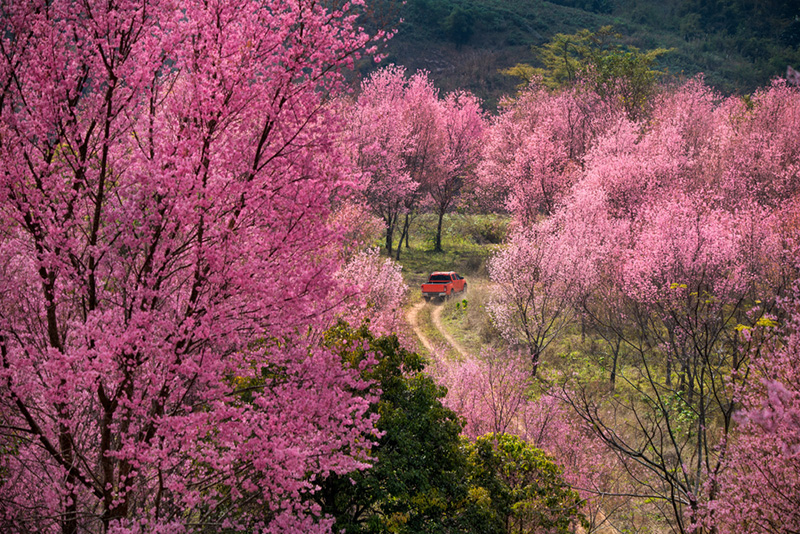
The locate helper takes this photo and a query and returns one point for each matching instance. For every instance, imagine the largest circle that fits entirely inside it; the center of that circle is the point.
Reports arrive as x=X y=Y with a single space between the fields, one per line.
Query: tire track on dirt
x=412 y=316
x=436 y=316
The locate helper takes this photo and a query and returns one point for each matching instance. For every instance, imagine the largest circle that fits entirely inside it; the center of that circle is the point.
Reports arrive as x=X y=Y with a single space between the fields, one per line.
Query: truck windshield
x=440 y=278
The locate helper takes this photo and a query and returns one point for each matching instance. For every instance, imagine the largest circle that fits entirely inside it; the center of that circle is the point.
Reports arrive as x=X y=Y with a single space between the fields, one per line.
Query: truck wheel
x=465 y=288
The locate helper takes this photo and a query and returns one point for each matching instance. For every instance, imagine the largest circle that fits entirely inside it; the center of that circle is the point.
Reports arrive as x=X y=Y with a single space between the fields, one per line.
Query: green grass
x=468 y=241
x=467 y=319
x=465 y=240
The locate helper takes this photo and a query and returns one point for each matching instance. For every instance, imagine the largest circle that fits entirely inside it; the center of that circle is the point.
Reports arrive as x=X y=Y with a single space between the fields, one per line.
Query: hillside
x=738 y=46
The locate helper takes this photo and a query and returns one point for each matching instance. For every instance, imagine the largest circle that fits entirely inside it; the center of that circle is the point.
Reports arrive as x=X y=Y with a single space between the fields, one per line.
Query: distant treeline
x=738 y=44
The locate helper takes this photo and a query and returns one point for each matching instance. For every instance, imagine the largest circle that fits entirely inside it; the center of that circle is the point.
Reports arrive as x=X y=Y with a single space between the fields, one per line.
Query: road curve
x=412 y=316
x=436 y=316
x=413 y=320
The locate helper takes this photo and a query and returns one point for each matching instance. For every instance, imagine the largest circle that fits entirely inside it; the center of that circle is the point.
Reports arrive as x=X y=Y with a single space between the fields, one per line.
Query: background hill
x=739 y=45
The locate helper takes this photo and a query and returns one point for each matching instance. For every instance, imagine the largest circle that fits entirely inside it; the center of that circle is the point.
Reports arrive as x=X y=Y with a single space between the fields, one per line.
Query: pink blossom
x=168 y=263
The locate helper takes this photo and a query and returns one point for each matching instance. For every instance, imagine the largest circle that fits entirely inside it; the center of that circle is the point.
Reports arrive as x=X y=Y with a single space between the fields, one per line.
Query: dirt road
x=436 y=316
x=412 y=316
x=413 y=319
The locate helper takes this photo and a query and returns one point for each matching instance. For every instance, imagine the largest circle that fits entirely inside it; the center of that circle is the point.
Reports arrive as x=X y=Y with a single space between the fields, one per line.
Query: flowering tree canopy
x=413 y=144
x=381 y=142
x=667 y=238
x=166 y=175
x=759 y=491
x=536 y=147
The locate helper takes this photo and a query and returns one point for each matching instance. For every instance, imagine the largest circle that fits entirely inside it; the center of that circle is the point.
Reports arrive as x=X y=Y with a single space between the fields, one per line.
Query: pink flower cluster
x=167 y=262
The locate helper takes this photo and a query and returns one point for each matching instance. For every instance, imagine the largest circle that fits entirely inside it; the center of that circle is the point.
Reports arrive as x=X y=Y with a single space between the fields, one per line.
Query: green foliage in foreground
x=524 y=485
x=425 y=478
x=419 y=466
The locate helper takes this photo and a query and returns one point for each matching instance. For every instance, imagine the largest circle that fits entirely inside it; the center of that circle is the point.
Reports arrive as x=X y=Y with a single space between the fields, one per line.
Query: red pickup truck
x=443 y=285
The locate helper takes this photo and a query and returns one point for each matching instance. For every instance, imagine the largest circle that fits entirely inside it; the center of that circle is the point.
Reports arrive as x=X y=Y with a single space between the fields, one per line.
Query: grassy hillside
x=739 y=44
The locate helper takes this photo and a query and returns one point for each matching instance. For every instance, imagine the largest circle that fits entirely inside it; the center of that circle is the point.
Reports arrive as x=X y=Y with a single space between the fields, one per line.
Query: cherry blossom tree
x=669 y=238
x=679 y=250
x=379 y=292
x=759 y=487
x=687 y=278
x=462 y=123
x=677 y=150
x=412 y=144
x=761 y=147
x=733 y=151
x=360 y=229
x=167 y=265
x=536 y=289
x=381 y=142
x=594 y=242
x=692 y=278
x=423 y=115
x=488 y=391
x=535 y=148
x=495 y=392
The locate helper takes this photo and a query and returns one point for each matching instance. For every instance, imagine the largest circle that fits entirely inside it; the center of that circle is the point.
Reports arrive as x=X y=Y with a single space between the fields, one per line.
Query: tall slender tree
x=414 y=145
x=759 y=487
x=537 y=289
x=381 y=142
x=462 y=124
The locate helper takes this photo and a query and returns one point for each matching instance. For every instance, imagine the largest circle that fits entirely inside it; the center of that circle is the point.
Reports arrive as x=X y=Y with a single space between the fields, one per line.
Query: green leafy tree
x=424 y=476
x=523 y=486
x=598 y=60
x=459 y=25
x=417 y=480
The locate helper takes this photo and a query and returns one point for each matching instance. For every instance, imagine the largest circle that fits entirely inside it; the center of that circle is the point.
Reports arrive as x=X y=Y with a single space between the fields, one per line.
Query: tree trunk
x=69 y=521
x=534 y=359
x=407 y=228
x=403 y=235
x=389 y=238
x=438 y=246
x=614 y=371
x=583 y=329
x=615 y=351
x=668 y=379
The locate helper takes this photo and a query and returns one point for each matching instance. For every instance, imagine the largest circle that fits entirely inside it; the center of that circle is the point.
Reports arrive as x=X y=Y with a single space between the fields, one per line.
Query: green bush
x=523 y=484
